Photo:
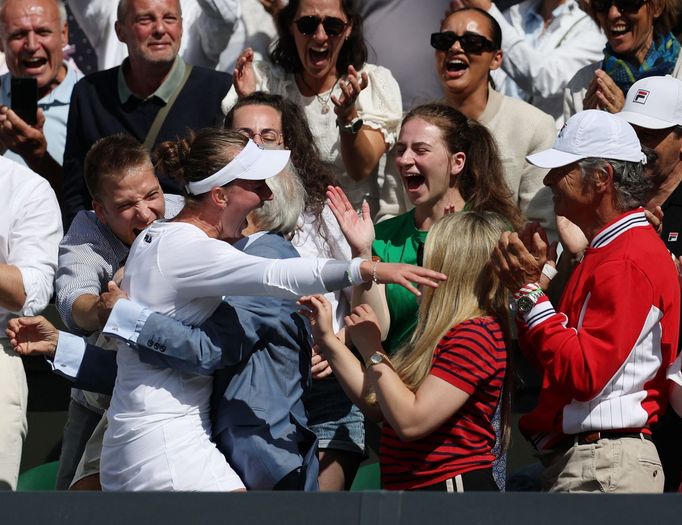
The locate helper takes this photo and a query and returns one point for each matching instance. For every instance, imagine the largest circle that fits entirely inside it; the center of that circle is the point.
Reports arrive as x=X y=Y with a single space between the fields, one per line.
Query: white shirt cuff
x=674 y=372
x=126 y=320
x=69 y=355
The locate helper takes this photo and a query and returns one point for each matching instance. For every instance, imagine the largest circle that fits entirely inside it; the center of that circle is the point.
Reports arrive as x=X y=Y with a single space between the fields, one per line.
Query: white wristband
x=549 y=271
x=354 y=272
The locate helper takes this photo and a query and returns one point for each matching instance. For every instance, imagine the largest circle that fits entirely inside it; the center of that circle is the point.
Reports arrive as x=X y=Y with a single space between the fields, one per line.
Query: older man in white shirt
x=30 y=229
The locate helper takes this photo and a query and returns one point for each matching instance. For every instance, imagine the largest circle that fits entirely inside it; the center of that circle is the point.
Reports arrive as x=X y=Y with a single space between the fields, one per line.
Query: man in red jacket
x=604 y=353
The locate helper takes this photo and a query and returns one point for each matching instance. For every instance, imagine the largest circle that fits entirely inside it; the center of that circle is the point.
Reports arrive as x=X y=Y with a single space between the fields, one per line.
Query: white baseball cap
x=654 y=103
x=591 y=133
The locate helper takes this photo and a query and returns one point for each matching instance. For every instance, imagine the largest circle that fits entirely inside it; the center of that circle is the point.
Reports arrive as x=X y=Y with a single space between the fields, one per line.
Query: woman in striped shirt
x=437 y=395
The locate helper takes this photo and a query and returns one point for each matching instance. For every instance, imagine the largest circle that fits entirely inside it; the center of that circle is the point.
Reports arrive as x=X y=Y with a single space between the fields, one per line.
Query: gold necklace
x=322 y=101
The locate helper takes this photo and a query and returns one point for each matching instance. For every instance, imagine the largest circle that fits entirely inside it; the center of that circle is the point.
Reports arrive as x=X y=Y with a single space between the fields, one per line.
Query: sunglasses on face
x=470 y=42
x=307 y=25
x=267 y=135
x=624 y=6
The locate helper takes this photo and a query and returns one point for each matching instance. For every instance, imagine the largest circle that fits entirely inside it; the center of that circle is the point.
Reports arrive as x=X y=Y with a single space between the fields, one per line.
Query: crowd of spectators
x=268 y=226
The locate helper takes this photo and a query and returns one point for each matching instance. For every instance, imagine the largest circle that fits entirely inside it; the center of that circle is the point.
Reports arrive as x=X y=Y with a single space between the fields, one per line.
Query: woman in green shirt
x=447 y=163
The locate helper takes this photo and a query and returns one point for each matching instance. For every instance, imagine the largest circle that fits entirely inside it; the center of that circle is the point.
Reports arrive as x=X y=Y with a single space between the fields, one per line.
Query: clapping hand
x=514 y=264
x=358 y=229
x=603 y=93
x=243 y=76
x=354 y=82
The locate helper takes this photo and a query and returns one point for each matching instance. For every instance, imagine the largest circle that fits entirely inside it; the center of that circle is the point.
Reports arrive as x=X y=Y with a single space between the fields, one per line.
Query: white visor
x=252 y=163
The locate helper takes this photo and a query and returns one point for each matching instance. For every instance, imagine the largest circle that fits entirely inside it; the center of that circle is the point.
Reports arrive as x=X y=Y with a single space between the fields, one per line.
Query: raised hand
x=603 y=93
x=344 y=106
x=32 y=336
x=571 y=236
x=655 y=218
x=514 y=264
x=358 y=229
x=272 y=6
x=22 y=138
x=611 y=97
x=243 y=76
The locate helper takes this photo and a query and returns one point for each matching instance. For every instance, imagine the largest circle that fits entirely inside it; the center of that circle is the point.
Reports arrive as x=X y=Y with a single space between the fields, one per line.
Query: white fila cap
x=654 y=103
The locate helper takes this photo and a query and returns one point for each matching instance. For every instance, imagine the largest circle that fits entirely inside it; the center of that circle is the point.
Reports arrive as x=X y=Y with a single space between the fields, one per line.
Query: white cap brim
x=553 y=158
x=645 y=121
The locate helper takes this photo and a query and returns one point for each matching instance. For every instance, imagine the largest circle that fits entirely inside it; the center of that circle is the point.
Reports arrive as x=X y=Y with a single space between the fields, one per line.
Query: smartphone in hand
x=24 y=93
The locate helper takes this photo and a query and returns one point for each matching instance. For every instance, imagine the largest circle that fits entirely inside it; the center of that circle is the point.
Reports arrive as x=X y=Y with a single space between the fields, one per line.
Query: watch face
x=376 y=358
x=525 y=303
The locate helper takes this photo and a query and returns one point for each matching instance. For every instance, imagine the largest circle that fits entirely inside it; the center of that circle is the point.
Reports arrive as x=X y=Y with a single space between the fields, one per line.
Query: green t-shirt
x=397 y=240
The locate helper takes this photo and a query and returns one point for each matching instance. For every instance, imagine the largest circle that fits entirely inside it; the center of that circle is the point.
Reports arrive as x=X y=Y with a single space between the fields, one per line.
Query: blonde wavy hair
x=460 y=246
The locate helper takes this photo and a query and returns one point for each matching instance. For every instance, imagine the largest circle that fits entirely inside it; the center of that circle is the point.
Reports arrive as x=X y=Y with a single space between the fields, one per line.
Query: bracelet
x=549 y=271
x=376 y=261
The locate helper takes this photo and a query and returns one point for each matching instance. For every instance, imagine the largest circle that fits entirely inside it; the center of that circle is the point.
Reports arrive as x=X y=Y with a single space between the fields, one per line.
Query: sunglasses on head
x=624 y=6
x=333 y=26
x=470 y=42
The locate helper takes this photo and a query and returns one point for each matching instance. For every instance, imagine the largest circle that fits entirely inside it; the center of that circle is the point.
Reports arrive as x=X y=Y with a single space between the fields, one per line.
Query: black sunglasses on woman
x=470 y=42
x=333 y=26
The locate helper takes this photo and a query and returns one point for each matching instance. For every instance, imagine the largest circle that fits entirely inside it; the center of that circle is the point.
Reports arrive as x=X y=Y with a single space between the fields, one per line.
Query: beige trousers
x=13 y=427
x=624 y=465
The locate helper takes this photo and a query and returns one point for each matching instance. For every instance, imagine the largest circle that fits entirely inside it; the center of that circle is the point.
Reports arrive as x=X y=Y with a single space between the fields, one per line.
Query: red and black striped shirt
x=472 y=357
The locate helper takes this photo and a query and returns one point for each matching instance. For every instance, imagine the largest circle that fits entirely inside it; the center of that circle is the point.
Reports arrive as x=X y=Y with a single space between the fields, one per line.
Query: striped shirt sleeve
x=470 y=354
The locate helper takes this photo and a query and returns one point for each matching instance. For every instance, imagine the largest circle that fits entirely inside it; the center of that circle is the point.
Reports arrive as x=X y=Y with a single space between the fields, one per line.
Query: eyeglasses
x=267 y=135
x=624 y=6
x=470 y=42
x=333 y=26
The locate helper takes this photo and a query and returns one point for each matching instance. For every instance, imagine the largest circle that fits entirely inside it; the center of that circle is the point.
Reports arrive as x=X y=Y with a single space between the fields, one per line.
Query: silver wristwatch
x=525 y=303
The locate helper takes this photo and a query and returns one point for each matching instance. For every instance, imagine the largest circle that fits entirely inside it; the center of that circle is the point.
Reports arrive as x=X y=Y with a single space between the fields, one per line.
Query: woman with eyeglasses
x=437 y=395
x=467 y=50
x=275 y=122
x=639 y=44
x=353 y=108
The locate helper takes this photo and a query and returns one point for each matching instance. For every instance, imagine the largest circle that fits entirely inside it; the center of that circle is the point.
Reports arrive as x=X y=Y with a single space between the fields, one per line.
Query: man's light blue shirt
x=56 y=107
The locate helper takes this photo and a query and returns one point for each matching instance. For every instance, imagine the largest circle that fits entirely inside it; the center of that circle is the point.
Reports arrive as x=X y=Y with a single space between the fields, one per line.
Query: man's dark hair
x=109 y=159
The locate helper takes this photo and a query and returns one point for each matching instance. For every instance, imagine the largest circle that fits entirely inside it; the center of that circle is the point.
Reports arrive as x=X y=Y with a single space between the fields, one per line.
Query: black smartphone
x=25 y=98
